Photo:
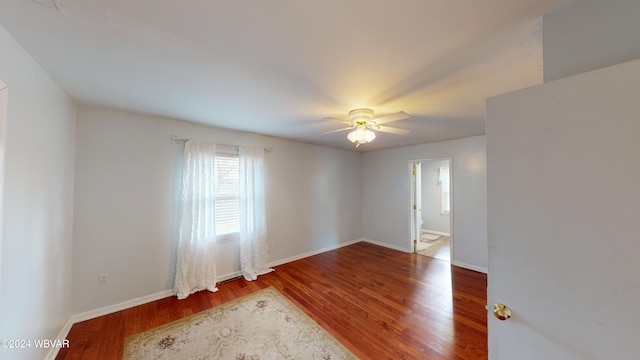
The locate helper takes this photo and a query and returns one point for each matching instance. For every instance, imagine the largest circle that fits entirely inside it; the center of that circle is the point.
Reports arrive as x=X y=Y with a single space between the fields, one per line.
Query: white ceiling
x=278 y=67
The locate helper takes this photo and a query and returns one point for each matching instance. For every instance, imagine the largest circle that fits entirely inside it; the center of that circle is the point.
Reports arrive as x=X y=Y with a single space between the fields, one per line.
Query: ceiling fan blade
x=335 y=131
x=393 y=117
x=391 y=130
x=340 y=120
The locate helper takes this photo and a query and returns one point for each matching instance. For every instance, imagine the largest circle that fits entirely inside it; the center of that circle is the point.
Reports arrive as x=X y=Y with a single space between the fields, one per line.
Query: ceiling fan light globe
x=369 y=135
x=352 y=136
x=361 y=135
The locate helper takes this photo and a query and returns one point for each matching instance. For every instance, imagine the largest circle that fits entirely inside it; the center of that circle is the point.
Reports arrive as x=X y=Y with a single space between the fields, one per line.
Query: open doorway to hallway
x=431 y=223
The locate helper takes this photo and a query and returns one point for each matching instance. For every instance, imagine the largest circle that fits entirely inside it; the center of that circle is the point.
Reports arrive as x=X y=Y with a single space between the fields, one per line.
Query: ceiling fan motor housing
x=361 y=115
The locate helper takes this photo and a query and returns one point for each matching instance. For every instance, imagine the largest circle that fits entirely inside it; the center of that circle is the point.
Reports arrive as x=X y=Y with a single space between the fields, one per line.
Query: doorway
x=431 y=205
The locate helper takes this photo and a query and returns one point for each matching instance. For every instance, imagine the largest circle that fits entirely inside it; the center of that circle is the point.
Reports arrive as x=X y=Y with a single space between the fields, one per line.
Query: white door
x=416 y=199
x=563 y=165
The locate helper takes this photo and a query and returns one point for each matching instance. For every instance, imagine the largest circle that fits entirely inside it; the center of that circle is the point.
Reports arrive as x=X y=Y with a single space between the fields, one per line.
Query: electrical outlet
x=103 y=279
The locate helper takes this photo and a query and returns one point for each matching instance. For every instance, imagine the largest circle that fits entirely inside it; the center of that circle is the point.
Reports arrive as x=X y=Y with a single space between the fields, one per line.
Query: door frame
x=412 y=244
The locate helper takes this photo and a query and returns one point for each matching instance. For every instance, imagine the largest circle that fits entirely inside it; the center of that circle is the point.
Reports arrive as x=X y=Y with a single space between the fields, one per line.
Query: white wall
x=590 y=34
x=35 y=297
x=3 y=130
x=432 y=218
x=386 y=210
x=127 y=189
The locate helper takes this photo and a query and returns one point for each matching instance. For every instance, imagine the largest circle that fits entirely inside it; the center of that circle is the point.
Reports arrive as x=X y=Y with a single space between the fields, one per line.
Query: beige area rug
x=426 y=236
x=428 y=240
x=260 y=326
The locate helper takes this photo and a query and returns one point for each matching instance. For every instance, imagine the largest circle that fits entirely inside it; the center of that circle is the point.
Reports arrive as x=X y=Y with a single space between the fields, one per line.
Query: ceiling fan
x=362 y=123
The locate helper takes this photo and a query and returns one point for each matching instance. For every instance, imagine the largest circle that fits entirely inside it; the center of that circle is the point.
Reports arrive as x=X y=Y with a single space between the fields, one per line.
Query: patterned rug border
x=272 y=292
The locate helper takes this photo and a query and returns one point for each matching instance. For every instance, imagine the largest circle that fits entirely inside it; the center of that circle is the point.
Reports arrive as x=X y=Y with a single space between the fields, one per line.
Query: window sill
x=228 y=238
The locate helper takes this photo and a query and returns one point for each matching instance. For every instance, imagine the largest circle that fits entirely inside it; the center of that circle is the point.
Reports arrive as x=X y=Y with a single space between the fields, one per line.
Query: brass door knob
x=501 y=311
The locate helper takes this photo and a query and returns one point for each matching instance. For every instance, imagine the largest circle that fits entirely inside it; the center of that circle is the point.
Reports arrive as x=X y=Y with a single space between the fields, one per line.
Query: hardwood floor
x=380 y=303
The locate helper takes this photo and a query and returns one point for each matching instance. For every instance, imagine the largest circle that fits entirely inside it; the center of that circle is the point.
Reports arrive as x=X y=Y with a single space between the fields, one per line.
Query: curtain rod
x=176 y=139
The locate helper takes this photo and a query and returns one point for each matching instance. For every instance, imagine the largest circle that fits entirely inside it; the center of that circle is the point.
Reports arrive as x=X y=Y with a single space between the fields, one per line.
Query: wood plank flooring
x=380 y=303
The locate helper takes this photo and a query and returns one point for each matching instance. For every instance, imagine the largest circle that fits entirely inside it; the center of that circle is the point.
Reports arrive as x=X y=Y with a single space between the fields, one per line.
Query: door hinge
x=414 y=207
x=414 y=172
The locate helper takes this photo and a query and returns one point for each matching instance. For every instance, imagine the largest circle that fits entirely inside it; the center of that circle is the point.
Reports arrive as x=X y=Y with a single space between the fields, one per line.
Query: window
x=227 y=173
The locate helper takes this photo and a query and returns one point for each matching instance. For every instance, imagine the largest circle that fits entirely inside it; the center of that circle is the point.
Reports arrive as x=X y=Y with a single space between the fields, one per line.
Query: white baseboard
x=226 y=277
x=92 y=314
x=53 y=351
x=436 y=232
x=311 y=253
x=87 y=315
x=456 y=263
x=389 y=246
x=121 y=306
x=471 y=267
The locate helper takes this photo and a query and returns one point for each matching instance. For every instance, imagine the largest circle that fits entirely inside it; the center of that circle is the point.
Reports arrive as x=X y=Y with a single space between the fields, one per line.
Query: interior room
x=434 y=208
x=99 y=102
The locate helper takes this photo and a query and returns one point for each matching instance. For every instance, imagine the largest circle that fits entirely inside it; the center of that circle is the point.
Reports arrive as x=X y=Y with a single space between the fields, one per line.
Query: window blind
x=227 y=173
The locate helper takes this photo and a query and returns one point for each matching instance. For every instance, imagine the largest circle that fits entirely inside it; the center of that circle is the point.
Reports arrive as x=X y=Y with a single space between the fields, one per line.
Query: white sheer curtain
x=195 y=266
x=253 y=228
